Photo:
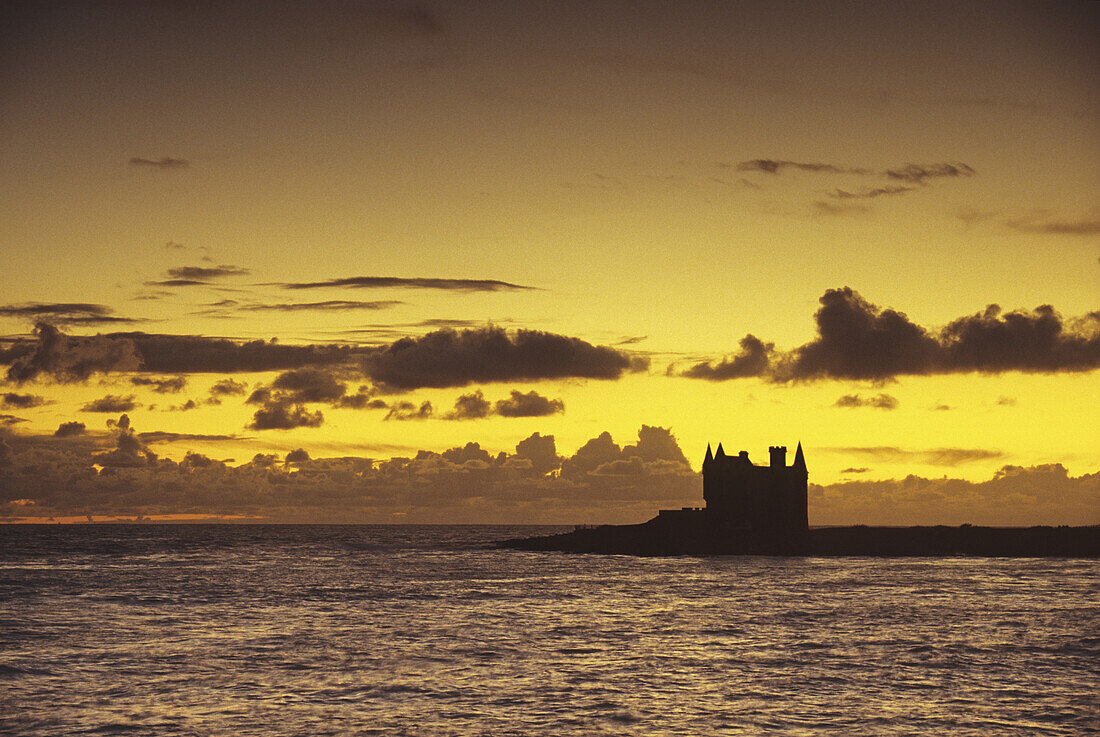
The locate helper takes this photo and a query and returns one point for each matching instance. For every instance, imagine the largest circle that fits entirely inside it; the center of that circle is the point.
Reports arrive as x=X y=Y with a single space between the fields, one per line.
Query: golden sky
x=473 y=222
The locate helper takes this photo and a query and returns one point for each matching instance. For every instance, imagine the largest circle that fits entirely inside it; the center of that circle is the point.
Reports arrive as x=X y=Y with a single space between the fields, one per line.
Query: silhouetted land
x=691 y=535
x=762 y=510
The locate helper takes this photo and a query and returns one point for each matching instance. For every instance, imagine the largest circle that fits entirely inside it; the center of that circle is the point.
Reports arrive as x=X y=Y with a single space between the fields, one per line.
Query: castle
x=743 y=497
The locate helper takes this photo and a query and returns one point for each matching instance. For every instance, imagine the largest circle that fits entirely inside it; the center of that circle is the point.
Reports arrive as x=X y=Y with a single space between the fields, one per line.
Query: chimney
x=779 y=456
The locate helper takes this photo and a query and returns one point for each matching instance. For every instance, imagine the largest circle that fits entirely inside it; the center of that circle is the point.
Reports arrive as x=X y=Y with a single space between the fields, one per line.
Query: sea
x=429 y=630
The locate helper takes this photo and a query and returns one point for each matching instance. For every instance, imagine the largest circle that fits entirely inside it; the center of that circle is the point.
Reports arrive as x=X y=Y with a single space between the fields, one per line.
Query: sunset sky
x=378 y=232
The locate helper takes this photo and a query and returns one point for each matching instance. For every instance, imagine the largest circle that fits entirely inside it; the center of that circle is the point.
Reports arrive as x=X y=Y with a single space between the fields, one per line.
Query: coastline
x=696 y=535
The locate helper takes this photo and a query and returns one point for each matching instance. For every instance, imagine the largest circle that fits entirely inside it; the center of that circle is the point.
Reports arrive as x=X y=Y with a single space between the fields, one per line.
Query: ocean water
x=424 y=630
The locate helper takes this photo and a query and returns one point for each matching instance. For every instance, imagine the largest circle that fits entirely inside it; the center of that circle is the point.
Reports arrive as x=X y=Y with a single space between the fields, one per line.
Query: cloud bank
x=393 y=282
x=858 y=340
x=450 y=358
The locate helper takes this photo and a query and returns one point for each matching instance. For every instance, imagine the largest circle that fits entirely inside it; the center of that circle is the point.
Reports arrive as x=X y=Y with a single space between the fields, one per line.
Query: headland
x=762 y=510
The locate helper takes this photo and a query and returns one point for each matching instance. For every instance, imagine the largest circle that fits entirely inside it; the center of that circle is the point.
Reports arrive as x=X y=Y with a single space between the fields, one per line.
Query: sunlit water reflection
x=251 y=630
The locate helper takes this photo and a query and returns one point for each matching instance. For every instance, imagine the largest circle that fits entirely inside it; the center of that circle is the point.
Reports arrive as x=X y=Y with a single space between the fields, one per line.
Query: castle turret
x=778 y=456
x=799 y=460
x=709 y=456
x=719 y=453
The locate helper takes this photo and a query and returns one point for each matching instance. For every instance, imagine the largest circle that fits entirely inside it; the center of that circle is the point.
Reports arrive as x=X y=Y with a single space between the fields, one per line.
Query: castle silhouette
x=741 y=496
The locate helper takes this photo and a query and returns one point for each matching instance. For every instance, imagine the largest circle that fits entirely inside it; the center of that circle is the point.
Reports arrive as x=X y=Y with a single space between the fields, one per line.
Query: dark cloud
x=308 y=385
x=386 y=282
x=162 y=163
x=753 y=360
x=855 y=470
x=11 y=400
x=8 y=420
x=111 y=403
x=868 y=193
x=332 y=304
x=858 y=340
x=362 y=399
x=1014 y=496
x=448 y=358
x=163 y=436
x=1006 y=401
x=465 y=483
x=774 y=166
x=69 y=429
x=187 y=406
x=531 y=404
x=228 y=388
x=177 y=283
x=205 y=273
x=297 y=456
x=475 y=406
x=1037 y=341
x=942 y=408
x=65 y=313
x=187 y=354
x=472 y=406
x=931 y=457
x=284 y=415
x=161 y=386
x=879 y=401
x=1055 y=227
x=918 y=173
x=69 y=358
x=840 y=208
x=409 y=411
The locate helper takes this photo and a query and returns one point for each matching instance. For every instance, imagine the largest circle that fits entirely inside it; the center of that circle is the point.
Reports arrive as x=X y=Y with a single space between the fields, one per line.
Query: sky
x=359 y=261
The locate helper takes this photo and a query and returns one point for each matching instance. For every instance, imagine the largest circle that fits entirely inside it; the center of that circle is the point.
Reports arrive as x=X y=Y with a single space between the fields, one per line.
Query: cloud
x=188 y=354
x=332 y=304
x=473 y=406
x=858 y=340
x=177 y=283
x=465 y=483
x=308 y=385
x=11 y=400
x=162 y=163
x=408 y=411
x=284 y=415
x=1014 y=496
x=879 y=401
x=69 y=359
x=129 y=451
x=855 y=470
x=161 y=386
x=449 y=358
x=297 y=456
x=69 y=429
x=206 y=273
x=753 y=360
x=774 y=166
x=228 y=388
x=391 y=282
x=8 y=420
x=868 y=193
x=1055 y=227
x=111 y=403
x=930 y=457
x=842 y=208
x=918 y=173
x=65 y=313
x=531 y=404
x=163 y=436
